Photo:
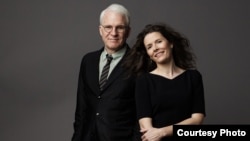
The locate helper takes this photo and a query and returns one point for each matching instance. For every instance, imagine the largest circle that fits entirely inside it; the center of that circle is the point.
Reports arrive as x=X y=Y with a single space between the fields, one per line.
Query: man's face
x=113 y=30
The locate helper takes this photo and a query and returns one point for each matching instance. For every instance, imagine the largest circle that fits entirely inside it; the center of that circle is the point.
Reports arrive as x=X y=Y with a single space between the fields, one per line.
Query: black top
x=169 y=101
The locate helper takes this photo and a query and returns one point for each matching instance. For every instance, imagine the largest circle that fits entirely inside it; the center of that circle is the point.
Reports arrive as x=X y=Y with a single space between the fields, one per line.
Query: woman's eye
x=159 y=41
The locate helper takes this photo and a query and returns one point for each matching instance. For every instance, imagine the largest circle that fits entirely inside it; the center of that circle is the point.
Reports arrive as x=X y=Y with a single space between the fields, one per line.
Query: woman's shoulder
x=195 y=75
x=143 y=76
x=193 y=72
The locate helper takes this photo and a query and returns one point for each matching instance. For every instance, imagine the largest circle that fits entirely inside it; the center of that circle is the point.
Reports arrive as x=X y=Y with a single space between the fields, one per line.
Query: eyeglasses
x=109 y=28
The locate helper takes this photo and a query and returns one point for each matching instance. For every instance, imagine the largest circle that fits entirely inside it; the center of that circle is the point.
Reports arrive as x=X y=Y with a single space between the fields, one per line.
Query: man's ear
x=100 y=30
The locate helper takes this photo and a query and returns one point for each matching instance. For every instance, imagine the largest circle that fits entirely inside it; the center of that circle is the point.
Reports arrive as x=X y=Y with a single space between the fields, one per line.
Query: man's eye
x=120 y=27
x=108 y=27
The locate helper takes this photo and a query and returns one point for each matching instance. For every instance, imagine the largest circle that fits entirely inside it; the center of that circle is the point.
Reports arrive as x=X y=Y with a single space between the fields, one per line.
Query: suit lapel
x=94 y=69
x=118 y=70
x=114 y=74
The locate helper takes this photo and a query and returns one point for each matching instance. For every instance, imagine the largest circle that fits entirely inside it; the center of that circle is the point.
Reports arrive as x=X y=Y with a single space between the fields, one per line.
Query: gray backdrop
x=42 y=43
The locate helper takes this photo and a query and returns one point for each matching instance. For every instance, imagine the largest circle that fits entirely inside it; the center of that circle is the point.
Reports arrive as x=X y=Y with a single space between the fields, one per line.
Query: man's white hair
x=119 y=9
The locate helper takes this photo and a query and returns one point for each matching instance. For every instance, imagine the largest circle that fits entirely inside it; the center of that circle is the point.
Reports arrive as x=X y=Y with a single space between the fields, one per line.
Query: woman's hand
x=152 y=134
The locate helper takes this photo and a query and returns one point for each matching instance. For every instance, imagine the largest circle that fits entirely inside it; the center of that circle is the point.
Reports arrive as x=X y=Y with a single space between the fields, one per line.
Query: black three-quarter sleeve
x=198 y=92
x=142 y=96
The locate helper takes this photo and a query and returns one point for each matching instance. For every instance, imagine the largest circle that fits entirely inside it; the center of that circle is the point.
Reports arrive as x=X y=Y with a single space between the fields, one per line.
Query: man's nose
x=114 y=31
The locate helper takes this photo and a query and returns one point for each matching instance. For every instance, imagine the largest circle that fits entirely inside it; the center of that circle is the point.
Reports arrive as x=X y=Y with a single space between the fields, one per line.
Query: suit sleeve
x=80 y=107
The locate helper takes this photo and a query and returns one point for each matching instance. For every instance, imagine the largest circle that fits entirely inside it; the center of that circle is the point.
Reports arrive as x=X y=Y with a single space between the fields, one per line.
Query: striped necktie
x=105 y=71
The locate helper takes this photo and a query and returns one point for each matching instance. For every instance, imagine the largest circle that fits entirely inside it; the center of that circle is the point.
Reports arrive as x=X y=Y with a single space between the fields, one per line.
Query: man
x=106 y=112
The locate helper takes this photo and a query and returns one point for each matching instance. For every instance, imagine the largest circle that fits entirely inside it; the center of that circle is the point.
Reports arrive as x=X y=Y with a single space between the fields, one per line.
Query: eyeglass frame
x=109 y=28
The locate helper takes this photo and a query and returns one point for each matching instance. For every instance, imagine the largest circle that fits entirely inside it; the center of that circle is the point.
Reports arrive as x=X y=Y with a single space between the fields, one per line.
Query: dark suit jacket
x=111 y=111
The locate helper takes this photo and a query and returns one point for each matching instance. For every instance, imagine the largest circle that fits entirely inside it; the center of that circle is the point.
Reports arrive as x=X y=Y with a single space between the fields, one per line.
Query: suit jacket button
x=97 y=114
x=99 y=97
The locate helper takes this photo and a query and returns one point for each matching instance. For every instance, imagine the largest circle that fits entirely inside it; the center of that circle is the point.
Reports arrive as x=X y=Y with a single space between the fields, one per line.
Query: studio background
x=42 y=43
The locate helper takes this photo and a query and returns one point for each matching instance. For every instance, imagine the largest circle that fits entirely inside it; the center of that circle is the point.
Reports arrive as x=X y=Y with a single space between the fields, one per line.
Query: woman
x=169 y=88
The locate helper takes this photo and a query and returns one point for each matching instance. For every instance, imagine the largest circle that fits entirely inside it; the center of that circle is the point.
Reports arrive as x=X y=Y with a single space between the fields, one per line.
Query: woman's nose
x=155 y=48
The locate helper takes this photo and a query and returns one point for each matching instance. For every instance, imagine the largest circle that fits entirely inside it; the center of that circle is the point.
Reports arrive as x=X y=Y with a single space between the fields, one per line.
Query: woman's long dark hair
x=137 y=61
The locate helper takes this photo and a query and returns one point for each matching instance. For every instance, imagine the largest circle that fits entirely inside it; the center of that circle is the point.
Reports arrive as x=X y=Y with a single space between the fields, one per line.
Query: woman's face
x=158 y=47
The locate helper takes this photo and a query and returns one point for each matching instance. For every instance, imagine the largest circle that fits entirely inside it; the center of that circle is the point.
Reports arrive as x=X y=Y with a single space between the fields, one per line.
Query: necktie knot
x=109 y=58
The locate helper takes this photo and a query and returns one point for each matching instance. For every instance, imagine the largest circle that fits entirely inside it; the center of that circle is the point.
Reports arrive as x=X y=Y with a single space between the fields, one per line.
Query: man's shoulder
x=91 y=54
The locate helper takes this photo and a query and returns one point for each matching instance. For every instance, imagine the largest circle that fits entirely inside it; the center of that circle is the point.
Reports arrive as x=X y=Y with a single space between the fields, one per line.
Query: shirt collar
x=115 y=55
